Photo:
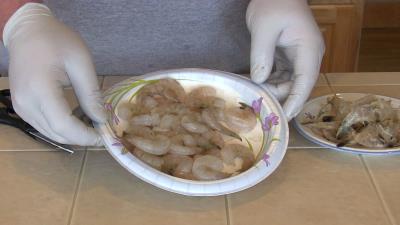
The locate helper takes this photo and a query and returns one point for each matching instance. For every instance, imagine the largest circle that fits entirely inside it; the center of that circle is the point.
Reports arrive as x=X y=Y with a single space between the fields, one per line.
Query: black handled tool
x=10 y=118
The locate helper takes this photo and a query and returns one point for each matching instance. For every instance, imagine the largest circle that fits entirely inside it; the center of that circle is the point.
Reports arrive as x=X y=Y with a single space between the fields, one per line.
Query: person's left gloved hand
x=284 y=35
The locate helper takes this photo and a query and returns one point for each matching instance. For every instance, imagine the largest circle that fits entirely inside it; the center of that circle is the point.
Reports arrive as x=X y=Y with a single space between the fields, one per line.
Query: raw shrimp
x=188 y=139
x=238 y=155
x=204 y=142
x=124 y=111
x=214 y=152
x=240 y=119
x=204 y=97
x=184 y=135
x=167 y=123
x=152 y=160
x=209 y=118
x=154 y=144
x=139 y=130
x=193 y=124
x=173 y=108
x=146 y=119
x=202 y=92
x=148 y=102
x=178 y=165
x=208 y=167
x=178 y=145
x=214 y=138
x=161 y=91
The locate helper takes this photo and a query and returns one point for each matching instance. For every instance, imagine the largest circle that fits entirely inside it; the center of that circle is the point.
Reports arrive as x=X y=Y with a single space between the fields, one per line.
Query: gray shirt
x=139 y=36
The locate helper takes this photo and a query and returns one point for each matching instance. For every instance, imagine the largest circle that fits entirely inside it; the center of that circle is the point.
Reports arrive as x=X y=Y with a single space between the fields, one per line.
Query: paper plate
x=312 y=108
x=269 y=142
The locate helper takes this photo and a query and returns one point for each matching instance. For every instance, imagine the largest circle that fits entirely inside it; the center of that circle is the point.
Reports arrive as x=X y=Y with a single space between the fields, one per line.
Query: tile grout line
x=378 y=192
x=227 y=211
x=77 y=188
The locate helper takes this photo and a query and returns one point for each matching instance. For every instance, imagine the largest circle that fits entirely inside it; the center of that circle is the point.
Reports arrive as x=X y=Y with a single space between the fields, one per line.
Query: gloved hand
x=284 y=31
x=45 y=56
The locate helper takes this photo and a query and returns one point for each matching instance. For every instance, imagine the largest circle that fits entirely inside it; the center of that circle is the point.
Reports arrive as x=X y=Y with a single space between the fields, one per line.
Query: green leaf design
x=250 y=145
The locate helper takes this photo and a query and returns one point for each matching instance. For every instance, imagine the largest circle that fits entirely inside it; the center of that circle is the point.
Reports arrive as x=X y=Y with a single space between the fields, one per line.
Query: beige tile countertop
x=43 y=186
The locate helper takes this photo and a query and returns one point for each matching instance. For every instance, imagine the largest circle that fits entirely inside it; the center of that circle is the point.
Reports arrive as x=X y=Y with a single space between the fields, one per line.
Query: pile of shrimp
x=367 y=122
x=188 y=135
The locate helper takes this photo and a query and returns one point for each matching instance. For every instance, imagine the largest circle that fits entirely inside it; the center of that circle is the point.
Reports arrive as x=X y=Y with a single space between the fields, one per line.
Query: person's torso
x=139 y=36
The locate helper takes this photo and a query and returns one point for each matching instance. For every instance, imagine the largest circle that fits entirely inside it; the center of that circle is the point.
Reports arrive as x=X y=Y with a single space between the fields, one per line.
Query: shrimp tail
x=230 y=133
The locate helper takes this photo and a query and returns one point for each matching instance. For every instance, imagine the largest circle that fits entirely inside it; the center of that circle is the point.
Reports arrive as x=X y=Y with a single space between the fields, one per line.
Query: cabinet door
x=341 y=29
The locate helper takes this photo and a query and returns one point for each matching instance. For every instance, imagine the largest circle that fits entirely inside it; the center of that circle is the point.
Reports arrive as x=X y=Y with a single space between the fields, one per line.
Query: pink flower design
x=108 y=106
x=114 y=117
x=265 y=159
x=117 y=143
x=271 y=120
x=256 y=105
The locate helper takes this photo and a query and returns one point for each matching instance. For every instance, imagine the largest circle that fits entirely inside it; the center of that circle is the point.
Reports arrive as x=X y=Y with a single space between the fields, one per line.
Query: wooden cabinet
x=340 y=25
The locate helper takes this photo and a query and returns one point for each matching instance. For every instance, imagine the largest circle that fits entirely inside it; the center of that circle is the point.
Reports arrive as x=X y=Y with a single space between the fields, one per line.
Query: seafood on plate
x=368 y=122
x=193 y=135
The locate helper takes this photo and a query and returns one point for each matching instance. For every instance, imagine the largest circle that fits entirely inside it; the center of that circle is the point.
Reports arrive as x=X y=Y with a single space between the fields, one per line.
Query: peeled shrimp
x=214 y=138
x=152 y=160
x=155 y=144
x=238 y=155
x=179 y=147
x=178 y=165
x=214 y=152
x=149 y=102
x=167 y=122
x=161 y=91
x=139 y=130
x=124 y=111
x=192 y=124
x=146 y=120
x=240 y=119
x=184 y=135
x=204 y=97
x=208 y=167
x=209 y=118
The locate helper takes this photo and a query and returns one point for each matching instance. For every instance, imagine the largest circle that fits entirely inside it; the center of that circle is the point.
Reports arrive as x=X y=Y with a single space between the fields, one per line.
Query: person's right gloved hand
x=45 y=57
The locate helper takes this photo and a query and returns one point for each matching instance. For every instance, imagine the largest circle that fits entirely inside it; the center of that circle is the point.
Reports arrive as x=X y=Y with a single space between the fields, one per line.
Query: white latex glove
x=45 y=56
x=284 y=35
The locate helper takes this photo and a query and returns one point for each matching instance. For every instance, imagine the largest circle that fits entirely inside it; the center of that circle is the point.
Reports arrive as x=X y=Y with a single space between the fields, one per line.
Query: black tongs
x=9 y=117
